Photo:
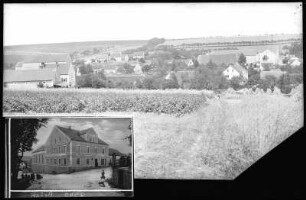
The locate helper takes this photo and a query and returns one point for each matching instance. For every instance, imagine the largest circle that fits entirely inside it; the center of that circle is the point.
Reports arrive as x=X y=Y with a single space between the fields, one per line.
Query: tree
x=242 y=59
x=148 y=83
x=146 y=68
x=141 y=60
x=126 y=69
x=236 y=82
x=23 y=136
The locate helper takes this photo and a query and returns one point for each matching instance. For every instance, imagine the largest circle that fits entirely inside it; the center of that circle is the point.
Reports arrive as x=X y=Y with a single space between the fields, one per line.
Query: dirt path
x=84 y=180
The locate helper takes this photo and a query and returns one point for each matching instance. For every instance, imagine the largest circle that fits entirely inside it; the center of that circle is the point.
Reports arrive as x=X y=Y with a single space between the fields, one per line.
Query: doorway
x=96 y=162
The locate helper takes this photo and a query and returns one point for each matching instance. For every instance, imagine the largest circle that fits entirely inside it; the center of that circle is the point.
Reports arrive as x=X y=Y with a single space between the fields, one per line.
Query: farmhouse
x=31 y=69
x=138 y=69
x=68 y=150
x=267 y=56
x=235 y=70
x=29 y=78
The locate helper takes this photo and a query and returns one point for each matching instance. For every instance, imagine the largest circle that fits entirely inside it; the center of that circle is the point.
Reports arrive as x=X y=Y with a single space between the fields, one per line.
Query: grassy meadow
x=219 y=141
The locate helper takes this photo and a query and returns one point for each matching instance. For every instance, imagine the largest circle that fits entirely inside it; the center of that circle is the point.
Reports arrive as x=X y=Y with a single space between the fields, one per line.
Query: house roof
x=112 y=151
x=36 y=58
x=275 y=73
x=39 y=149
x=218 y=59
x=239 y=68
x=138 y=53
x=203 y=59
x=61 y=68
x=28 y=75
x=75 y=135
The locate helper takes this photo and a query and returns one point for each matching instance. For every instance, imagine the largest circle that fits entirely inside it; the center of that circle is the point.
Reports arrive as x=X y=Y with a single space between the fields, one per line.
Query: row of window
x=39 y=158
x=87 y=149
x=56 y=161
x=59 y=149
x=78 y=161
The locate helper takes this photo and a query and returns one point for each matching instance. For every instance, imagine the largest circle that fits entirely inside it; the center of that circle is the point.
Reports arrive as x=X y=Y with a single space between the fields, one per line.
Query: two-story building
x=68 y=150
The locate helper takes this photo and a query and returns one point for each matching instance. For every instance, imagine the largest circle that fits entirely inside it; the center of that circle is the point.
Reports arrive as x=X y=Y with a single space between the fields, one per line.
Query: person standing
x=102 y=178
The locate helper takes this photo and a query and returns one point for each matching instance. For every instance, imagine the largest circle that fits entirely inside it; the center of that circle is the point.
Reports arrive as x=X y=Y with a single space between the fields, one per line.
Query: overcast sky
x=112 y=130
x=56 y=23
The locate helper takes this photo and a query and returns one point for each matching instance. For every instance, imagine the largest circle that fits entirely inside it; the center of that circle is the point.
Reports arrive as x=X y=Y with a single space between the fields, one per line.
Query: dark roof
x=112 y=151
x=239 y=68
x=61 y=68
x=275 y=73
x=39 y=149
x=28 y=75
x=75 y=135
x=36 y=58
x=218 y=59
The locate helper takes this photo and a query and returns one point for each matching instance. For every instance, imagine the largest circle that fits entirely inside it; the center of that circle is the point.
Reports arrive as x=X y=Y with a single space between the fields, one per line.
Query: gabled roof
x=203 y=59
x=112 y=151
x=36 y=58
x=275 y=73
x=239 y=68
x=75 y=135
x=28 y=75
x=60 y=68
x=39 y=149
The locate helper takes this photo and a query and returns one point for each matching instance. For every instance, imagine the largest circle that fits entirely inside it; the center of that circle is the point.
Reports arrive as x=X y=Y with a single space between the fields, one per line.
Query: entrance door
x=96 y=162
x=102 y=162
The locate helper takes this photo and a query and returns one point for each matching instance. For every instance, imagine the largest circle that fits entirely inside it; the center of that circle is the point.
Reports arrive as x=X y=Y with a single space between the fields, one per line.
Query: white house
x=235 y=70
x=48 y=69
x=138 y=69
x=294 y=61
x=189 y=62
x=268 y=57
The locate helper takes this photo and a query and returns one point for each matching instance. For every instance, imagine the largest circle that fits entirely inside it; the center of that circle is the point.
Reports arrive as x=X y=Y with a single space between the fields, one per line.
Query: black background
x=280 y=174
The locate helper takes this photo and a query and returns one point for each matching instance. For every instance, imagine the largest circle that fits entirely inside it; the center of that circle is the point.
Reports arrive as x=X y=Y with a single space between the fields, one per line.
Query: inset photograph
x=71 y=154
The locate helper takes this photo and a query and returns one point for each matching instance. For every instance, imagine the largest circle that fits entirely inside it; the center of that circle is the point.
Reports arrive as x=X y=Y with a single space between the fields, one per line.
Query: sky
x=59 y=23
x=110 y=130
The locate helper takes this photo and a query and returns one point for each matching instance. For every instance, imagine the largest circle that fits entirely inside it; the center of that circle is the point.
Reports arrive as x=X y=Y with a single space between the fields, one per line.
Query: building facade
x=68 y=150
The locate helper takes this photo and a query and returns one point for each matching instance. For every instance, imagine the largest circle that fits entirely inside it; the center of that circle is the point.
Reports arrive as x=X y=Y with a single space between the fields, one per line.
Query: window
x=64 y=149
x=78 y=161
x=42 y=159
x=54 y=140
x=87 y=149
x=102 y=161
x=95 y=149
x=55 y=161
x=78 y=148
x=59 y=149
x=64 y=161
x=59 y=161
x=103 y=151
x=87 y=161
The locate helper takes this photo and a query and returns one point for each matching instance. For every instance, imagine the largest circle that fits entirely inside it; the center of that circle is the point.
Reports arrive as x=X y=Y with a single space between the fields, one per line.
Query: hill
x=71 y=47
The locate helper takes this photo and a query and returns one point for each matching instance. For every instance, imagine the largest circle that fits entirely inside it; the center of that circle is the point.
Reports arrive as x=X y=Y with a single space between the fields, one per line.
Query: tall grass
x=220 y=140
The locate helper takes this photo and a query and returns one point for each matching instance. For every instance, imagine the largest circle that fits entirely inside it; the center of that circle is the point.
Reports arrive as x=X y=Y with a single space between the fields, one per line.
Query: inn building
x=68 y=150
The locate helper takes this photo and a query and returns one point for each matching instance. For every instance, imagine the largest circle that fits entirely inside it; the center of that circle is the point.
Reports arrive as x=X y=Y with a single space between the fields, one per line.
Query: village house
x=117 y=56
x=50 y=70
x=102 y=58
x=138 y=68
x=138 y=55
x=28 y=79
x=294 y=61
x=189 y=62
x=267 y=57
x=125 y=57
x=68 y=150
x=235 y=70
